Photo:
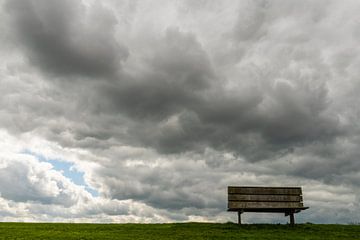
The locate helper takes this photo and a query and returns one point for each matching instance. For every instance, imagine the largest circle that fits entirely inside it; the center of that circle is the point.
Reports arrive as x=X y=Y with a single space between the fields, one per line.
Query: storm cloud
x=63 y=37
x=156 y=103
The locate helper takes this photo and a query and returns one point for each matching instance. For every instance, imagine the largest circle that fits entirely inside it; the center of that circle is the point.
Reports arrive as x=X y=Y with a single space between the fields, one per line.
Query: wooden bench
x=286 y=200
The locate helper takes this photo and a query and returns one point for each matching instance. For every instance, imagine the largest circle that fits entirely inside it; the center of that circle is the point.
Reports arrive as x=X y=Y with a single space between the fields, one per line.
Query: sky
x=145 y=111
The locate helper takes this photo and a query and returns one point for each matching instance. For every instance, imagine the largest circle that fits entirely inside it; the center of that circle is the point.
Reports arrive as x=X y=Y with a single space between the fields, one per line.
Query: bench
x=287 y=200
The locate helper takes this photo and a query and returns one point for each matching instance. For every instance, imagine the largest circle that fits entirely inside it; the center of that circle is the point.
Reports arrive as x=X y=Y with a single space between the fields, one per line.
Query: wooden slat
x=265 y=198
x=239 y=205
x=265 y=190
x=269 y=210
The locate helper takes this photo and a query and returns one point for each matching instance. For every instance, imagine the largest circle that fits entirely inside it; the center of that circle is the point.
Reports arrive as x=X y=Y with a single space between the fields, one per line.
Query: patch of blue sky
x=66 y=168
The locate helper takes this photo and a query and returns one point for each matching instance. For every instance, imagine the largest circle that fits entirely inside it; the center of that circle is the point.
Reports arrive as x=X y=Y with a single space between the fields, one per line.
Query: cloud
x=63 y=37
x=156 y=103
x=178 y=108
x=32 y=181
x=251 y=17
x=177 y=83
x=33 y=190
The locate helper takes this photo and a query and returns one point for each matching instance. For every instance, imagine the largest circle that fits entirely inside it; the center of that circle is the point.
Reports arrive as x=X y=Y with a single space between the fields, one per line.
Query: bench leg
x=292 y=219
x=239 y=217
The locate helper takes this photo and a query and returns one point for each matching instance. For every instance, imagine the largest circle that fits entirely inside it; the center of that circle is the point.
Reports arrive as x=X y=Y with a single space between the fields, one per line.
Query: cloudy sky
x=145 y=111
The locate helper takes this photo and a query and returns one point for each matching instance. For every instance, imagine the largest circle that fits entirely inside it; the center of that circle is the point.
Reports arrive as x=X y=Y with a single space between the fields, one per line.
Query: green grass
x=181 y=231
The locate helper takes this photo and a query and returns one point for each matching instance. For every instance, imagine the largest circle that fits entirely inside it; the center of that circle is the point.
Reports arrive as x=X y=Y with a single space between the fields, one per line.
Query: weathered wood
x=264 y=198
x=267 y=210
x=265 y=190
x=244 y=205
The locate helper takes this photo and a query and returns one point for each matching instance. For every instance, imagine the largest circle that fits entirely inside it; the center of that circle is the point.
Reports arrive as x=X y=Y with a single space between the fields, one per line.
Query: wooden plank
x=244 y=205
x=265 y=198
x=265 y=190
x=267 y=210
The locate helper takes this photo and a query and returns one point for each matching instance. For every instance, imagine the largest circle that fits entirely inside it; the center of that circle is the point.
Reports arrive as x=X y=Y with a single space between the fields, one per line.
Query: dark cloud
x=177 y=102
x=181 y=105
x=161 y=185
x=178 y=72
x=66 y=38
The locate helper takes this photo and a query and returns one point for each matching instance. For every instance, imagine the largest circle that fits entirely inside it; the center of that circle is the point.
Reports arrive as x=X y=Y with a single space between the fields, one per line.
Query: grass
x=181 y=231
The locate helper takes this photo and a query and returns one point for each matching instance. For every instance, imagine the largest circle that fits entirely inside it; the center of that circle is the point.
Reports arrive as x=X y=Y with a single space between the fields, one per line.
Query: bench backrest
x=264 y=198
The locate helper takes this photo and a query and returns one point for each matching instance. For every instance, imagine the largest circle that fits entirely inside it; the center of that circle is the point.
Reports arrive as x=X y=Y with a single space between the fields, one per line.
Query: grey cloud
x=58 y=40
x=298 y=114
x=331 y=162
x=177 y=102
x=230 y=123
x=161 y=188
x=250 y=19
x=179 y=71
x=284 y=109
x=177 y=107
x=185 y=184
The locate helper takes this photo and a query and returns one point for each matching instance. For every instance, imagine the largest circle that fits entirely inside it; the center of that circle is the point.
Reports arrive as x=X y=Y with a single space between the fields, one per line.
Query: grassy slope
x=175 y=231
